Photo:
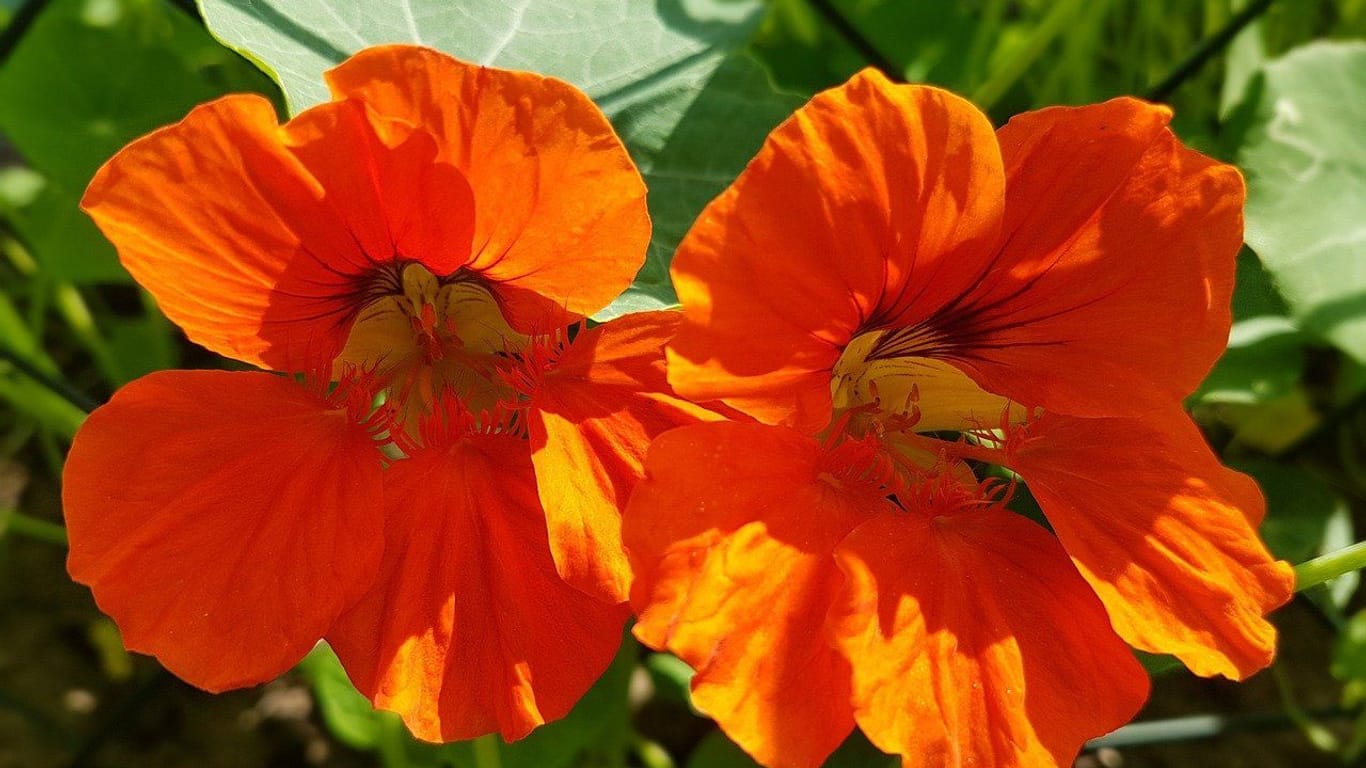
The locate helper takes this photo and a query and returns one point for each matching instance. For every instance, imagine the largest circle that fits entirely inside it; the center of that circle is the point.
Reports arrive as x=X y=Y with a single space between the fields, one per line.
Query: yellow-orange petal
x=1110 y=293
x=593 y=416
x=223 y=520
x=871 y=198
x=731 y=535
x=468 y=629
x=258 y=240
x=1163 y=532
x=975 y=643
x=560 y=220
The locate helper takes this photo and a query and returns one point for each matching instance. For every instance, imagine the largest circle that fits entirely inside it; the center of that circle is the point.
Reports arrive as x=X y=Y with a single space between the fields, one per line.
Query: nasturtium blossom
x=903 y=300
x=429 y=473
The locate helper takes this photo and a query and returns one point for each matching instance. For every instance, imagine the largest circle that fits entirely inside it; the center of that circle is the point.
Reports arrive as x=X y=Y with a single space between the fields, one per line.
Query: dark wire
x=1206 y=50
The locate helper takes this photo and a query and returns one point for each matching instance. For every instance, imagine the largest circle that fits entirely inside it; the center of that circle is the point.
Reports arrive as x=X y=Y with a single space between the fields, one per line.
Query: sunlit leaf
x=593 y=733
x=691 y=112
x=1305 y=161
x=672 y=677
x=346 y=712
x=717 y=751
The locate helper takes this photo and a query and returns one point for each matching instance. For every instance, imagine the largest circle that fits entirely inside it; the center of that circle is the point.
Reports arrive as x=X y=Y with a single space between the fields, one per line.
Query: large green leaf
x=689 y=147
x=1304 y=153
x=87 y=78
x=1265 y=356
x=691 y=111
x=618 y=51
x=595 y=732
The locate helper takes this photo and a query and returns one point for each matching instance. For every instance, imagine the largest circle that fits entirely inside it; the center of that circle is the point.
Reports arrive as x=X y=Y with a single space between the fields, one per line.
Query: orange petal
x=871 y=198
x=258 y=240
x=730 y=535
x=974 y=642
x=595 y=412
x=469 y=630
x=556 y=196
x=224 y=520
x=1165 y=535
x=1111 y=293
x=383 y=180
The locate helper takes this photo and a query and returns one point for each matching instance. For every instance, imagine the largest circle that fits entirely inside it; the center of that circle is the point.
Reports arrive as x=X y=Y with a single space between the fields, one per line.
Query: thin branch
x=53 y=384
x=1206 y=50
x=18 y=26
x=858 y=41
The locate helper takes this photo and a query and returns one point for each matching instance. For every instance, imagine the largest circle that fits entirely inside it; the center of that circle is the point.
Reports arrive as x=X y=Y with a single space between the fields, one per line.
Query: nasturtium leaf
x=86 y=78
x=140 y=344
x=926 y=42
x=1158 y=664
x=46 y=216
x=858 y=752
x=671 y=676
x=1349 y=660
x=1300 y=508
x=690 y=110
x=595 y=732
x=1264 y=360
x=717 y=751
x=617 y=51
x=1349 y=667
x=689 y=148
x=1304 y=154
x=347 y=714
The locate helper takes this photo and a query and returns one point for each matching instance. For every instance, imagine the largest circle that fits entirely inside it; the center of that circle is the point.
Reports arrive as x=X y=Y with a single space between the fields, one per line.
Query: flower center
x=885 y=388
x=423 y=336
x=893 y=384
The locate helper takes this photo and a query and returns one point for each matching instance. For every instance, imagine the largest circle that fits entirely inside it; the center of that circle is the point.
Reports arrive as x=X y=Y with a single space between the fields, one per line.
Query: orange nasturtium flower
x=902 y=297
x=433 y=235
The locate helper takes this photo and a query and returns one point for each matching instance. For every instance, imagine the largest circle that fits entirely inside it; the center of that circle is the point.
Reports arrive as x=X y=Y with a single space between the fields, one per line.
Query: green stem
x=1206 y=50
x=19 y=24
x=47 y=407
x=856 y=40
x=81 y=320
x=42 y=530
x=393 y=749
x=1330 y=566
x=487 y=752
x=1000 y=81
x=73 y=309
x=1322 y=738
x=51 y=382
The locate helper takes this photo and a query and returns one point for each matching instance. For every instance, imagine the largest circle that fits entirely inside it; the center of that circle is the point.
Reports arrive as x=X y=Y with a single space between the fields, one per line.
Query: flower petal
x=469 y=630
x=730 y=535
x=871 y=198
x=974 y=642
x=257 y=240
x=595 y=413
x=556 y=195
x=1110 y=295
x=224 y=520
x=1164 y=533
x=383 y=180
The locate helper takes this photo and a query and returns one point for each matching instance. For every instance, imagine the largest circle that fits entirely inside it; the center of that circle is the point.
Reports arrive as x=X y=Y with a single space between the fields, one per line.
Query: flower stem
x=487 y=753
x=72 y=307
x=32 y=527
x=858 y=41
x=1330 y=566
x=1206 y=50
